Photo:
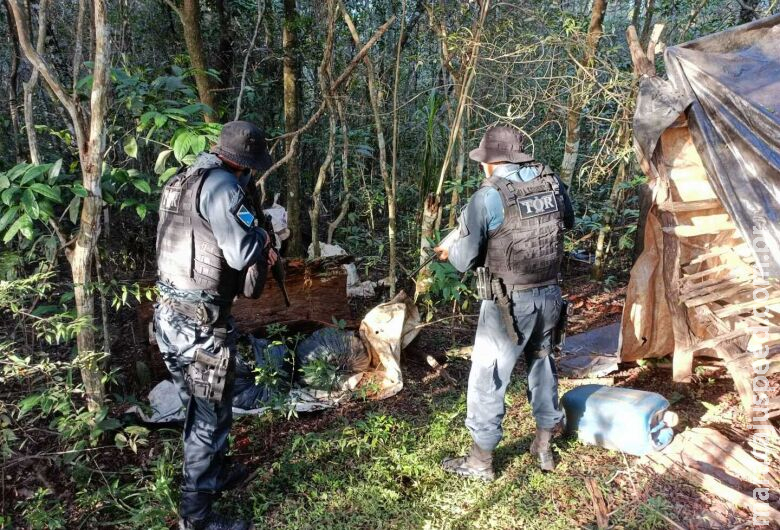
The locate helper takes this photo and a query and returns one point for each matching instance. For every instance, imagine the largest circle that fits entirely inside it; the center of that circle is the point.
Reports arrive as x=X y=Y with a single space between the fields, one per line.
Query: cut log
x=689 y=291
x=711 y=461
x=694 y=231
x=714 y=341
x=736 y=309
x=723 y=294
x=692 y=206
x=742 y=251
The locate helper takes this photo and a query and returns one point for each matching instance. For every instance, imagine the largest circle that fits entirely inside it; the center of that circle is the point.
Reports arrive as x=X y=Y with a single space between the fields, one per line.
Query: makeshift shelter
x=708 y=139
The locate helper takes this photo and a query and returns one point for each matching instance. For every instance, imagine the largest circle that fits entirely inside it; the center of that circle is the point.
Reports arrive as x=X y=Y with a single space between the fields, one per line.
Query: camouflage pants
x=207 y=424
x=536 y=312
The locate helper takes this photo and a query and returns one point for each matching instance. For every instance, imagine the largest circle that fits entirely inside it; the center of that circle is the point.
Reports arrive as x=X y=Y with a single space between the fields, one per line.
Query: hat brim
x=261 y=164
x=489 y=156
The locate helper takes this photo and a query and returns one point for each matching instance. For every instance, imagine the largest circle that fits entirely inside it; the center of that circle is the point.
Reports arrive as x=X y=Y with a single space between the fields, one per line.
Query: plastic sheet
x=728 y=85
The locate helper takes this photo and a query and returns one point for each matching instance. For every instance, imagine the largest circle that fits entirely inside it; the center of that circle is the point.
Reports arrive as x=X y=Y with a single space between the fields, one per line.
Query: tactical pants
x=536 y=312
x=207 y=424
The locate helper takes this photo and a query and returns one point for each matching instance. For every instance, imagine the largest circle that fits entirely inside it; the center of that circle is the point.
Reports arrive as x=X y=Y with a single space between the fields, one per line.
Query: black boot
x=540 y=448
x=477 y=464
x=214 y=521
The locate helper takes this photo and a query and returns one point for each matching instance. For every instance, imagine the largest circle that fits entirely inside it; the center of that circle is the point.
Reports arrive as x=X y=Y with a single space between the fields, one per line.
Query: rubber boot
x=478 y=463
x=214 y=521
x=541 y=449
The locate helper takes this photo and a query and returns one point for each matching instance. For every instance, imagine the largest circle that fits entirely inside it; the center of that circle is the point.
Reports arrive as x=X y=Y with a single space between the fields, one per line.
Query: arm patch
x=243 y=215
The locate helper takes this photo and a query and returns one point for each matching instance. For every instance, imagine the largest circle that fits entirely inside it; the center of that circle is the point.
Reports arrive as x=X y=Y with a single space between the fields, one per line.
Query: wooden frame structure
x=702 y=269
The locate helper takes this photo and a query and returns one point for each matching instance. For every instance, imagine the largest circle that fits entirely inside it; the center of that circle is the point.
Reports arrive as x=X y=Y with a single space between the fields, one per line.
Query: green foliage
x=28 y=193
x=42 y=512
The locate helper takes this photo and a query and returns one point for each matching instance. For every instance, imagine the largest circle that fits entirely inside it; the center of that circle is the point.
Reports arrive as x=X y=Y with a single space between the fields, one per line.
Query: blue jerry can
x=621 y=419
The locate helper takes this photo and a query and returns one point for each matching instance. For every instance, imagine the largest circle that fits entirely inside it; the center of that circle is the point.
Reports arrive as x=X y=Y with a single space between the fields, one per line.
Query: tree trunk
x=648 y=23
x=90 y=141
x=225 y=54
x=577 y=100
x=382 y=147
x=31 y=85
x=344 y=171
x=325 y=82
x=459 y=167
x=13 y=79
x=190 y=21
x=289 y=44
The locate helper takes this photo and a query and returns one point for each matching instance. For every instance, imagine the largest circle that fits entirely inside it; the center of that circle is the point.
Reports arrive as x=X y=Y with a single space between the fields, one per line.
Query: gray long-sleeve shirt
x=485 y=212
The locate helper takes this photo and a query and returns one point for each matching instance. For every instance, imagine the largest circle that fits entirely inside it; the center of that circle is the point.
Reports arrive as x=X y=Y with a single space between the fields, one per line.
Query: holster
x=207 y=375
x=559 y=338
x=504 y=304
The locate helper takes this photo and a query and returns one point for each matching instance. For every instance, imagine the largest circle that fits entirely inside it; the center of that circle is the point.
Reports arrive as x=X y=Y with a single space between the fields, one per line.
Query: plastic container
x=621 y=419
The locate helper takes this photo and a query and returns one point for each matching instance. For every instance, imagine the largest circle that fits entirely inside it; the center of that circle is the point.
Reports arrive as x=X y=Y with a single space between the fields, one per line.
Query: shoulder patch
x=537 y=204
x=245 y=216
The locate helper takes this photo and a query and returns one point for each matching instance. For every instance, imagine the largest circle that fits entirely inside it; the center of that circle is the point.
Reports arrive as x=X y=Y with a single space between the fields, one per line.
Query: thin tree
x=579 y=93
x=291 y=103
x=89 y=128
x=189 y=15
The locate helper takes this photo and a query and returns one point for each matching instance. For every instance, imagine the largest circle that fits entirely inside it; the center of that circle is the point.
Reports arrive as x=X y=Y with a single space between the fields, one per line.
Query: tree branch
x=48 y=74
x=260 y=13
x=336 y=84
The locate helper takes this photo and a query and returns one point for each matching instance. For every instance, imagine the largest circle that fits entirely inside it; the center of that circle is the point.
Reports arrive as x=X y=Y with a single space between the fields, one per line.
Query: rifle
x=277 y=270
x=444 y=243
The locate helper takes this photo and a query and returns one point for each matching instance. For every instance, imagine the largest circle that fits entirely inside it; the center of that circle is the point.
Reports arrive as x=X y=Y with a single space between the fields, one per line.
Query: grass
x=379 y=468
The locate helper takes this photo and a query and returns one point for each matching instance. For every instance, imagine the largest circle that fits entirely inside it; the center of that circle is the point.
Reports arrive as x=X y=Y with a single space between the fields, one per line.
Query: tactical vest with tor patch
x=526 y=250
x=188 y=256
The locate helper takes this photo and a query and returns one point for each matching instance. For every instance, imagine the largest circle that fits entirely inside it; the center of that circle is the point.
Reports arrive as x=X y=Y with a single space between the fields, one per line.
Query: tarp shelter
x=708 y=139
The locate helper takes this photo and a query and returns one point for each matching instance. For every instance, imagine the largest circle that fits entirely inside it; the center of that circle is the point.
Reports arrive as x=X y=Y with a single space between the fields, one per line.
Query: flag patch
x=245 y=216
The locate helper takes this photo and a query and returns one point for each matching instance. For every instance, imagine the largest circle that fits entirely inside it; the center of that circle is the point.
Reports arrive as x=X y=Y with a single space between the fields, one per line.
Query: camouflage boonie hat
x=500 y=144
x=243 y=143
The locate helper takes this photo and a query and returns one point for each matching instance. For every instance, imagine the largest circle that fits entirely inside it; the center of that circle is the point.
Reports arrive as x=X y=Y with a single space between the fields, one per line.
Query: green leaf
x=7 y=197
x=141 y=211
x=142 y=185
x=54 y=172
x=30 y=204
x=34 y=172
x=160 y=120
x=198 y=144
x=4 y=182
x=182 y=145
x=162 y=158
x=7 y=216
x=46 y=191
x=131 y=147
x=167 y=174
x=73 y=209
x=79 y=190
x=26 y=227
x=22 y=223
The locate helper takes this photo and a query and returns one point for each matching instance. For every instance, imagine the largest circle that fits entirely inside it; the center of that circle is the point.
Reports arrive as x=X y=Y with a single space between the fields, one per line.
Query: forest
x=370 y=110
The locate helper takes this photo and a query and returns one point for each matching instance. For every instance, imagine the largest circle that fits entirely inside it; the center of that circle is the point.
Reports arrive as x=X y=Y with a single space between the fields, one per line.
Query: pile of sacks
x=367 y=361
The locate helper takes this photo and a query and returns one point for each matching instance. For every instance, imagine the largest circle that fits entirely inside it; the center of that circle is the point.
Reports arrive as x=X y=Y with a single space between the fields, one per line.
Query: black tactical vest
x=188 y=256
x=526 y=250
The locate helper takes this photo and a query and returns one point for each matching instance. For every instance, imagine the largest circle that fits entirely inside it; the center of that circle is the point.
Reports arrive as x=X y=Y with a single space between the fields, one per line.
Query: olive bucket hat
x=243 y=143
x=500 y=144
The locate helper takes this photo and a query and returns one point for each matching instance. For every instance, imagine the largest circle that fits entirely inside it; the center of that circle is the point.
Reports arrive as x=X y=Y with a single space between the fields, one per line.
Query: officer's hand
x=443 y=253
x=272 y=254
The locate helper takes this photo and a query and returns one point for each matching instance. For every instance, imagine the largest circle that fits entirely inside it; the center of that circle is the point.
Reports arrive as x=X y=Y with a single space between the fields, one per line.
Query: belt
x=205 y=314
x=528 y=286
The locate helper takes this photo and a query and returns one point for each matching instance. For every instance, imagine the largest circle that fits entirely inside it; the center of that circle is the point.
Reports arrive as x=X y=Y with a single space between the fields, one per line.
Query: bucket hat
x=243 y=143
x=500 y=144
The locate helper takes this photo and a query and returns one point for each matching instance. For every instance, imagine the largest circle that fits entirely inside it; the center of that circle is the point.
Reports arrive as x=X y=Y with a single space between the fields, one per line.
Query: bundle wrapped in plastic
x=269 y=377
x=330 y=355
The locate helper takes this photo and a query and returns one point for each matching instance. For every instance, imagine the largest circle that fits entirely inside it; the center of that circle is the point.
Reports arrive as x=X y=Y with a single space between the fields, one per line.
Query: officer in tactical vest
x=513 y=225
x=209 y=251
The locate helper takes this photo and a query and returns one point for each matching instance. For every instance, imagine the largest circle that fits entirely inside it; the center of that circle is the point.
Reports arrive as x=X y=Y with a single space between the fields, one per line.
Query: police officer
x=514 y=226
x=208 y=252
